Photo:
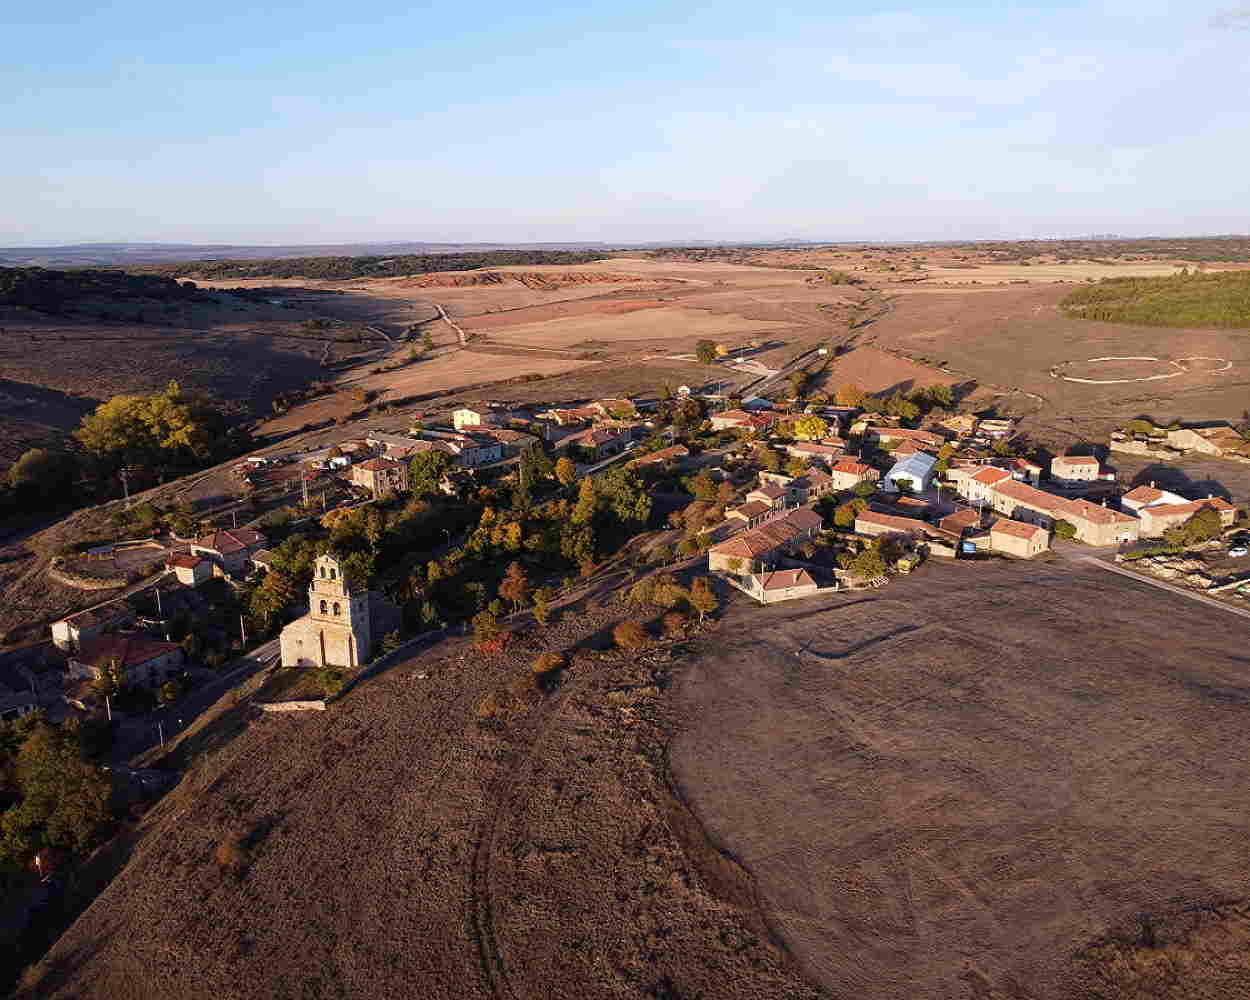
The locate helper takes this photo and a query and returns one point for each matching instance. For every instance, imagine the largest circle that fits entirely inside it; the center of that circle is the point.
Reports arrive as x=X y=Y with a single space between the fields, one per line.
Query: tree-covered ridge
x=1219 y=300
x=376 y=267
x=50 y=291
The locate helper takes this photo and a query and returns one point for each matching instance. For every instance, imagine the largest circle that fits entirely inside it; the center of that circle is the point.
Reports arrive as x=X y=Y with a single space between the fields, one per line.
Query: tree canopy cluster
x=1220 y=299
x=374 y=266
x=48 y=290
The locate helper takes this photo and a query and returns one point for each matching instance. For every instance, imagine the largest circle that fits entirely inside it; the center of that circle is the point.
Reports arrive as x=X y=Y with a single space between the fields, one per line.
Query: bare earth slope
x=968 y=784
x=396 y=848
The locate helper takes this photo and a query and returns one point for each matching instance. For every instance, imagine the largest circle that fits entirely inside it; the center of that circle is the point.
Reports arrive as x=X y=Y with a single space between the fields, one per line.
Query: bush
x=547 y=662
x=1065 y=529
x=630 y=635
x=231 y=854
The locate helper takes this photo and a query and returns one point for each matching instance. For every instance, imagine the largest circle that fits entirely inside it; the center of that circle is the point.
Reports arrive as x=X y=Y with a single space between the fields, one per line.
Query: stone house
x=661 y=457
x=598 y=442
x=873 y=524
x=750 y=551
x=190 y=570
x=814 y=451
x=923 y=440
x=1159 y=517
x=1148 y=496
x=1016 y=538
x=1075 y=468
x=847 y=473
x=70 y=633
x=780 y=585
x=138 y=659
x=769 y=493
x=752 y=512
x=477 y=415
x=381 y=475
x=230 y=549
x=1220 y=440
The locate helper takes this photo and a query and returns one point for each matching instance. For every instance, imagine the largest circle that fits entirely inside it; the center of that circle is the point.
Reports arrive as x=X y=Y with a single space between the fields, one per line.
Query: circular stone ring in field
x=1119 y=370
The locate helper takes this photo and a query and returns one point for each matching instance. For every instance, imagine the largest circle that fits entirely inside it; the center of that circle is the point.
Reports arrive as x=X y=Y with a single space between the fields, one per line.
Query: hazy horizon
x=316 y=124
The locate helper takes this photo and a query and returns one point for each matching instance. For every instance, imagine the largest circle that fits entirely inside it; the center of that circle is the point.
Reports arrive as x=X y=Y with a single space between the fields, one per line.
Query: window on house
x=323 y=572
x=337 y=610
x=333 y=573
x=323 y=607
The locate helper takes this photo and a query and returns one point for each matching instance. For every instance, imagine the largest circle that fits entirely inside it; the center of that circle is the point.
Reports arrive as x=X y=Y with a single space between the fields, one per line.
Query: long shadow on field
x=1168 y=477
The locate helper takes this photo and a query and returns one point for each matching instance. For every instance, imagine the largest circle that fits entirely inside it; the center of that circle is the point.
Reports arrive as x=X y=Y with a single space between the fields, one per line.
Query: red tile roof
x=1028 y=495
x=1018 y=529
x=990 y=475
x=909 y=525
x=184 y=560
x=231 y=540
x=771 y=535
x=124 y=649
x=783 y=579
x=850 y=467
x=1143 y=494
x=380 y=464
x=1075 y=460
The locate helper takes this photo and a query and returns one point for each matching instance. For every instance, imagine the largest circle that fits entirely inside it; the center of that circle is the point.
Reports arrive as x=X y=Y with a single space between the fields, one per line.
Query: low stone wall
x=293 y=706
x=86 y=582
x=1142 y=448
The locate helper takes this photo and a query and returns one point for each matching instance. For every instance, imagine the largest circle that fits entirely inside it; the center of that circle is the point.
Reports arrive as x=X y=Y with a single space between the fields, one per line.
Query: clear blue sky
x=326 y=122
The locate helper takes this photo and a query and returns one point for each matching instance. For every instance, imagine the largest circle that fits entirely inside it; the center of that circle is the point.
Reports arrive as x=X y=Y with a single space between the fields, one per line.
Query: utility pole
x=303 y=478
x=108 y=708
x=242 y=633
x=160 y=730
x=125 y=473
x=234 y=518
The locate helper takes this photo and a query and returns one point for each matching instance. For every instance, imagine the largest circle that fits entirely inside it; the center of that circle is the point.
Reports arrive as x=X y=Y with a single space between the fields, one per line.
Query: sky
x=317 y=122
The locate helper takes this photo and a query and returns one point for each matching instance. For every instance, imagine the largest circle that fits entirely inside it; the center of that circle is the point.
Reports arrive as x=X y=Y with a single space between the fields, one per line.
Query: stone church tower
x=336 y=630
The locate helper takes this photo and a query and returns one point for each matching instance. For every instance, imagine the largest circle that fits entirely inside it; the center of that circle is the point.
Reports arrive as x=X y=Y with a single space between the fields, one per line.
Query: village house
x=732 y=419
x=1024 y=470
x=915 y=472
x=976 y=483
x=467 y=452
x=1148 y=496
x=565 y=416
x=661 y=457
x=873 y=524
x=755 y=549
x=769 y=492
x=512 y=442
x=1024 y=503
x=823 y=452
x=620 y=409
x=1016 y=538
x=136 y=659
x=478 y=415
x=960 y=522
x=1098 y=525
x=190 y=570
x=381 y=475
x=336 y=631
x=1075 y=468
x=1159 y=517
x=866 y=421
x=925 y=440
x=996 y=429
x=230 y=549
x=847 y=473
x=71 y=632
x=1220 y=440
x=752 y=512
x=779 y=585
x=597 y=442
x=810 y=487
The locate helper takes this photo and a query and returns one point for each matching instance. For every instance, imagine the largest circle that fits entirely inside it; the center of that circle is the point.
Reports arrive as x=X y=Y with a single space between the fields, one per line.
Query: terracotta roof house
x=620 y=408
x=769 y=493
x=138 y=658
x=774 y=586
x=921 y=439
x=996 y=429
x=190 y=570
x=1018 y=539
x=745 y=553
x=1097 y=525
x=960 y=522
x=1025 y=503
x=847 y=473
x=977 y=484
x=874 y=523
x=478 y=415
x=815 y=451
x=661 y=457
x=1158 y=518
x=1075 y=468
x=1025 y=470
x=598 y=441
x=1147 y=496
x=381 y=475
x=571 y=415
x=1220 y=440
x=231 y=548
x=811 y=486
x=752 y=512
x=70 y=632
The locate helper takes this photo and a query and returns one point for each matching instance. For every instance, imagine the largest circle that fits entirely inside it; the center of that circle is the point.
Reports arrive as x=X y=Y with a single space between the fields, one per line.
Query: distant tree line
x=1221 y=299
x=53 y=291
x=331 y=268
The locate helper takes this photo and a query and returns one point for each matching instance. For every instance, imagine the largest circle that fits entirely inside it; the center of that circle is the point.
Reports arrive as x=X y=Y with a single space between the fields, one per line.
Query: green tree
x=542 y=604
x=810 y=427
x=62 y=798
x=940 y=394
x=271 y=599
x=427 y=342
x=865 y=488
x=703 y=598
x=515 y=585
x=703 y=486
x=1065 y=529
x=766 y=458
x=426 y=471
x=705 y=351
x=587 y=503
x=868 y=564
x=44 y=475
x=624 y=494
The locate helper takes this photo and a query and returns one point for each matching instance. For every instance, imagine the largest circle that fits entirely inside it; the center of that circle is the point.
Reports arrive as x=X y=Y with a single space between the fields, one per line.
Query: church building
x=336 y=631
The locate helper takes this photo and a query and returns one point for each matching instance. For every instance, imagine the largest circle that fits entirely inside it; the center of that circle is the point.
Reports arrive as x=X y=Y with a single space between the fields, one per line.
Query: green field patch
x=1214 y=300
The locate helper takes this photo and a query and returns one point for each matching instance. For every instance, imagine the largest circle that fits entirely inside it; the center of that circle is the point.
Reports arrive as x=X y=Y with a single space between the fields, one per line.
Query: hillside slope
x=397 y=846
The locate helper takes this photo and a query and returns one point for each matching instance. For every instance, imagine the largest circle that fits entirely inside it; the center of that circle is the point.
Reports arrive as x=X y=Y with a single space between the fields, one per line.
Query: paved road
x=1181 y=591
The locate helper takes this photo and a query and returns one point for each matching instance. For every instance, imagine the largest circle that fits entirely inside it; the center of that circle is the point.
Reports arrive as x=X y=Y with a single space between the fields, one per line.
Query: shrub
x=547 y=662
x=630 y=635
x=231 y=854
x=1065 y=529
x=493 y=705
x=674 y=624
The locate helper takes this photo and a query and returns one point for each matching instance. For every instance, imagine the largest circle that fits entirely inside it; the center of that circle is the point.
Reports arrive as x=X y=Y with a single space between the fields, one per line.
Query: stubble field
x=1018 y=781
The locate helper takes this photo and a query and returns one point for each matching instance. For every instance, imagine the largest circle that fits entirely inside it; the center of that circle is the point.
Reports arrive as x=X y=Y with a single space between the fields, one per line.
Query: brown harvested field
x=1011 y=339
x=397 y=846
x=635 y=326
x=877 y=371
x=990 y=781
